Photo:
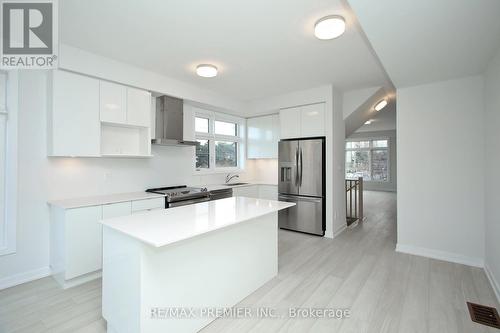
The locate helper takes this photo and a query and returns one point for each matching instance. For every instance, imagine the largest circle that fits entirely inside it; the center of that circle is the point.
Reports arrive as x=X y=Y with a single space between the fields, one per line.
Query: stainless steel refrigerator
x=302 y=181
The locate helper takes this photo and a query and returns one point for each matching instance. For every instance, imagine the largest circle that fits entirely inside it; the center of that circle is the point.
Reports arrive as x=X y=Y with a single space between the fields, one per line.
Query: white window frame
x=8 y=225
x=370 y=149
x=212 y=137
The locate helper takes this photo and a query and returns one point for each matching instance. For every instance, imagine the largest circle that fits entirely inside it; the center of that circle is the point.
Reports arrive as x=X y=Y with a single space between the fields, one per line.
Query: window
x=219 y=140
x=368 y=159
x=224 y=128
x=8 y=161
x=3 y=160
x=202 y=154
x=226 y=154
x=201 y=125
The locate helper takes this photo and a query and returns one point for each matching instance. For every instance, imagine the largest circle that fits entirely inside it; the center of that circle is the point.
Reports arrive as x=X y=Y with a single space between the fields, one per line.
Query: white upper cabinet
x=290 y=123
x=73 y=115
x=303 y=121
x=138 y=107
x=312 y=120
x=263 y=137
x=188 y=123
x=113 y=102
x=88 y=117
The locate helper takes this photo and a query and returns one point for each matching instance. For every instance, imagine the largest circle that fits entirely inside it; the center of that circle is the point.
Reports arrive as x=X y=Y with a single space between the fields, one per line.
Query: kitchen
x=223 y=157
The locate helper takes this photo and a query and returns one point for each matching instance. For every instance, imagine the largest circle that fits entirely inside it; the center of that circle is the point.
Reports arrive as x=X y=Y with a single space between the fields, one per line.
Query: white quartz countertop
x=164 y=227
x=212 y=187
x=103 y=199
x=132 y=196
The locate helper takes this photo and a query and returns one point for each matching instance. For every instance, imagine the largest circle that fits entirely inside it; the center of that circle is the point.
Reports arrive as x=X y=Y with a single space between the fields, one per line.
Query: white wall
x=392 y=183
x=492 y=163
x=265 y=170
x=353 y=99
x=338 y=163
x=440 y=170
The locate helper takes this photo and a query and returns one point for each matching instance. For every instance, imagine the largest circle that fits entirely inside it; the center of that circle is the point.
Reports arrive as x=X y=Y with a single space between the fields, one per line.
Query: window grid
x=370 y=168
x=224 y=143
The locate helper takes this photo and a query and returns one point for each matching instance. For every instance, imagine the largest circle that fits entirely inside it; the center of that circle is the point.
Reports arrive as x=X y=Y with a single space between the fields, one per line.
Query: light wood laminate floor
x=385 y=291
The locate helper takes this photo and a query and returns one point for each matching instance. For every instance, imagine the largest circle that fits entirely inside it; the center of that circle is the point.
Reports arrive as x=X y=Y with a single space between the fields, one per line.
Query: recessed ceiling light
x=368 y=122
x=380 y=105
x=206 y=70
x=329 y=27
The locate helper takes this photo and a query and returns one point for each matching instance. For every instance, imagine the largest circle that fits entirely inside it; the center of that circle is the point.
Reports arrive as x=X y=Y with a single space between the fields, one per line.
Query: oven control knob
x=204 y=189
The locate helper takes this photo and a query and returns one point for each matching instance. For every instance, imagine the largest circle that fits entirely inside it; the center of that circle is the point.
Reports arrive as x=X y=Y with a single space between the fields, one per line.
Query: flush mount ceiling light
x=380 y=105
x=206 y=70
x=368 y=122
x=329 y=27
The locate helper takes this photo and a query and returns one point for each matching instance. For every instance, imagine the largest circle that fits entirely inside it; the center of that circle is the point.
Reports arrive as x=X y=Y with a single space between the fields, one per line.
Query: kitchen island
x=169 y=270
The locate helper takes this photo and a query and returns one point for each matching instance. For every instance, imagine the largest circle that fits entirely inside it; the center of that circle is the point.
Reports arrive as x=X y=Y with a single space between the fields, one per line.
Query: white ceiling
x=384 y=120
x=422 y=41
x=262 y=48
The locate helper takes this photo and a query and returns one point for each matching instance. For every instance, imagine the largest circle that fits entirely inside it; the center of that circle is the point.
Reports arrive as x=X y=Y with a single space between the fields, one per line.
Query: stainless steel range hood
x=169 y=128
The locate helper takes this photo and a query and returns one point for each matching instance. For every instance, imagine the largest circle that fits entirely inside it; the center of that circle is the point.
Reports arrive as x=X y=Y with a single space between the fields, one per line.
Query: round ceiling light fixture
x=380 y=105
x=206 y=70
x=329 y=27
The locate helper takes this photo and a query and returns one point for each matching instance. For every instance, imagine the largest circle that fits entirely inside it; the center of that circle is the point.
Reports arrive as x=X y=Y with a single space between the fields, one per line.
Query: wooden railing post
x=354 y=187
x=361 y=216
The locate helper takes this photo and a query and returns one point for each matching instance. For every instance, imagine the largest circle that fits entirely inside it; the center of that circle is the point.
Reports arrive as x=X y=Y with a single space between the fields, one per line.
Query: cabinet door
x=113 y=101
x=269 y=192
x=116 y=210
x=73 y=127
x=251 y=191
x=138 y=107
x=83 y=241
x=254 y=137
x=276 y=135
x=267 y=137
x=290 y=123
x=148 y=204
x=312 y=120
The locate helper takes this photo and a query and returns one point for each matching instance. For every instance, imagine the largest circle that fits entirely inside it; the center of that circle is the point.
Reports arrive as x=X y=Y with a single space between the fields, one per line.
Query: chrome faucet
x=229 y=177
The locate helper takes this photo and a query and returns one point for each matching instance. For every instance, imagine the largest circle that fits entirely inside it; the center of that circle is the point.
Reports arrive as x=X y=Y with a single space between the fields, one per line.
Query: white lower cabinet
x=116 y=210
x=269 y=192
x=147 y=205
x=251 y=191
x=83 y=234
x=76 y=238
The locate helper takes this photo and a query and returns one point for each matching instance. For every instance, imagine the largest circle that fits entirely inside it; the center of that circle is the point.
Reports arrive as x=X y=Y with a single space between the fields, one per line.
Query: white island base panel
x=213 y=270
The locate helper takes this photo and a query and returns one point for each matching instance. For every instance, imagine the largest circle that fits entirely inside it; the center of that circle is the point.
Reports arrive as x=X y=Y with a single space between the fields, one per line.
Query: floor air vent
x=484 y=315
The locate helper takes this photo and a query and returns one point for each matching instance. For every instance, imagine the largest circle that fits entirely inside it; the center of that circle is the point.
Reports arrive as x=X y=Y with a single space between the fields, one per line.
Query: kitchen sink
x=236 y=184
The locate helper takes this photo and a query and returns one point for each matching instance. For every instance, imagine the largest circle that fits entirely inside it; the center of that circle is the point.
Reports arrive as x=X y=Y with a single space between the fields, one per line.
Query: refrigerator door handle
x=295 y=198
x=297 y=179
x=301 y=166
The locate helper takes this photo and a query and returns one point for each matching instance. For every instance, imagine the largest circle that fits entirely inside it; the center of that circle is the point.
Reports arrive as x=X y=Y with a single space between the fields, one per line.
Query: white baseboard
x=17 y=279
x=440 y=255
x=338 y=232
x=65 y=284
x=494 y=283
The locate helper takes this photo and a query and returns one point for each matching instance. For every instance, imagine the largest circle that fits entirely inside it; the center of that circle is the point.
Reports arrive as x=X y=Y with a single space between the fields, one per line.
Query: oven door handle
x=187 y=202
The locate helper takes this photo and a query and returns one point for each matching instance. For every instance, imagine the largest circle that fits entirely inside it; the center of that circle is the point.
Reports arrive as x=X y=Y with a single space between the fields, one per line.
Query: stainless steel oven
x=186 y=202
x=176 y=196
